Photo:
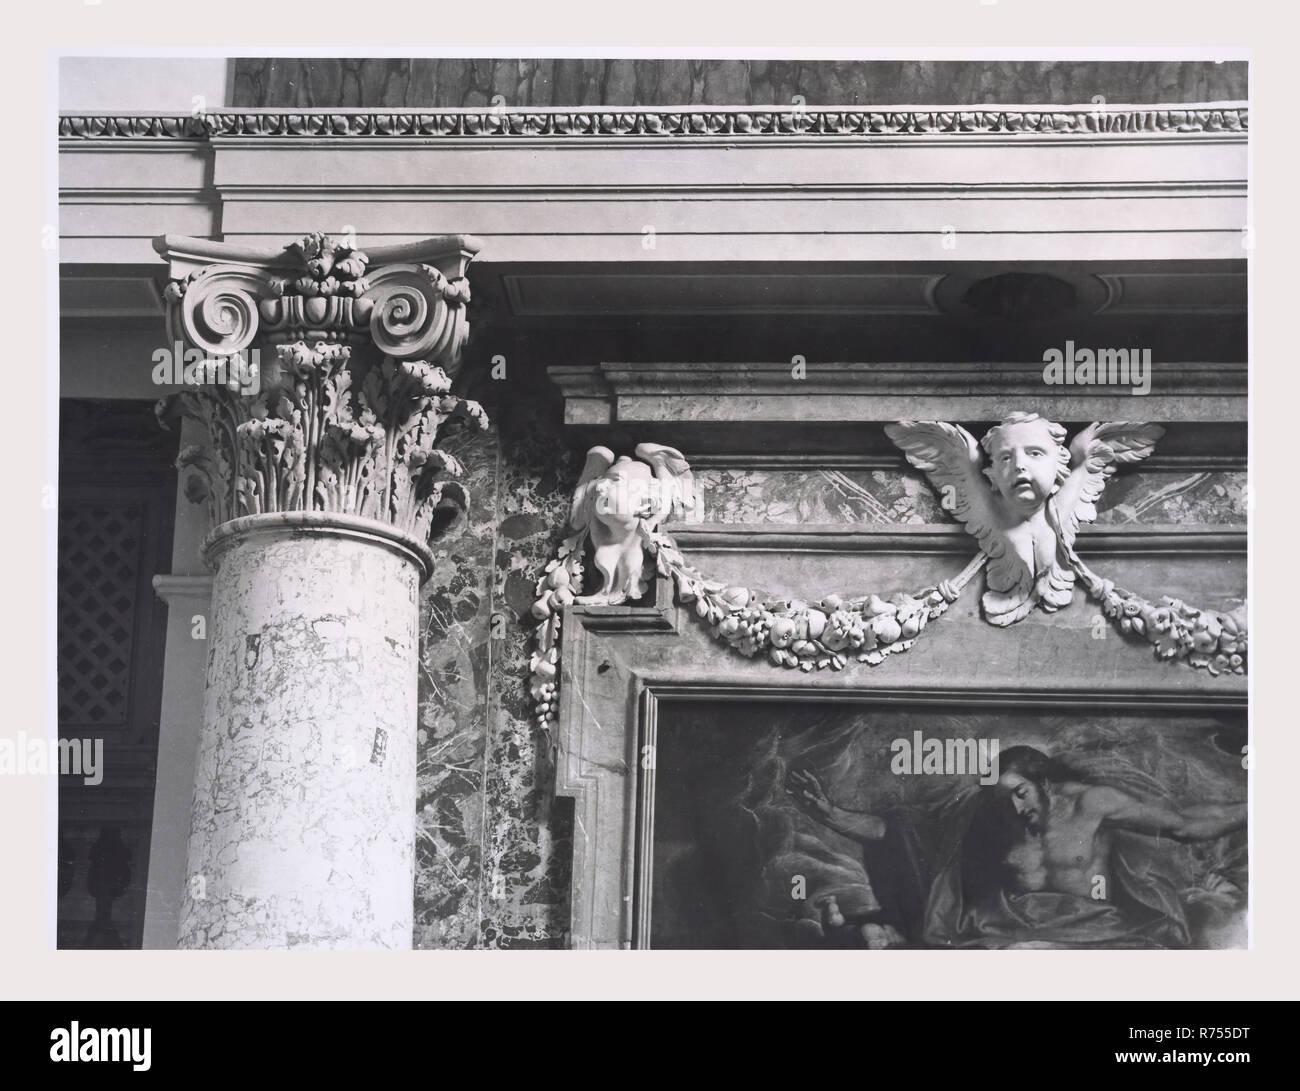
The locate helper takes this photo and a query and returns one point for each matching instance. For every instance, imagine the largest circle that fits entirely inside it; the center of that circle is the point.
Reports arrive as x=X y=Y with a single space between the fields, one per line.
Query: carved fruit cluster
x=556 y=589
x=828 y=633
x=791 y=634
x=1215 y=641
x=329 y=268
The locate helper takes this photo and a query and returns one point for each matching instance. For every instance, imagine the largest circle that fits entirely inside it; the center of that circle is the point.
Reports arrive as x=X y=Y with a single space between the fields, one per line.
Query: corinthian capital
x=407 y=300
x=324 y=377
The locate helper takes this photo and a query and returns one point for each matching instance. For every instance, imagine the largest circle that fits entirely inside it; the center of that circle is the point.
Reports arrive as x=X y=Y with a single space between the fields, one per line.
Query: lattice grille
x=99 y=562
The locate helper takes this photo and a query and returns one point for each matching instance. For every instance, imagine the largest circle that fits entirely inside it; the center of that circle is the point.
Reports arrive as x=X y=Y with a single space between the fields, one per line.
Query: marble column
x=320 y=374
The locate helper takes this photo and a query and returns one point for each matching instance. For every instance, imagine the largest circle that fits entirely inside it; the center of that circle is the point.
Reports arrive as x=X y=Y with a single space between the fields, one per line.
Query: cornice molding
x=805 y=461
x=838 y=377
x=1088 y=120
x=939 y=539
x=173 y=588
x=712 y=393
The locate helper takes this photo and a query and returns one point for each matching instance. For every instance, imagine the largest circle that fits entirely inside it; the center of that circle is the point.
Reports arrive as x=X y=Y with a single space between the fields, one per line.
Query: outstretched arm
x=808 y=792
x=1194 y=822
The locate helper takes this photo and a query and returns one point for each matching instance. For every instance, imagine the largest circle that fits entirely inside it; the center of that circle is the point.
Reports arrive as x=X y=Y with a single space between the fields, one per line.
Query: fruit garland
x=790 y=633
x=829 y=633
x=1214 y=641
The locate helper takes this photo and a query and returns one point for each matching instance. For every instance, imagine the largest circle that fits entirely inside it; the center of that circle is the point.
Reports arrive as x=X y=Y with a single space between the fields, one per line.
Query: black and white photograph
x=670 y=504
x=382 y=547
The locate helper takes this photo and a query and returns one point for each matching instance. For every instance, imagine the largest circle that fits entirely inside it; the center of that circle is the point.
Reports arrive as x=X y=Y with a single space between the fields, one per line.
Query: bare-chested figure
x=1039 y=831
x=1067 y=826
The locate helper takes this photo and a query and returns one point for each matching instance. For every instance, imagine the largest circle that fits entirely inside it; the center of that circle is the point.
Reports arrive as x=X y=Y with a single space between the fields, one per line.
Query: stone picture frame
x=622 y=666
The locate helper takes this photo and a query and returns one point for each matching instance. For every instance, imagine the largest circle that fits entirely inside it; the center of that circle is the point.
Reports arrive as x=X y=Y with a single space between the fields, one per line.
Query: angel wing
x=1095 y=453
x=673 y=472
x=599 y=460
x=951 y=458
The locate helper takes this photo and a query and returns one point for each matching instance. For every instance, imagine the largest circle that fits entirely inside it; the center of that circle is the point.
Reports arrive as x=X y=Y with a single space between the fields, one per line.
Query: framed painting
x=791 y=822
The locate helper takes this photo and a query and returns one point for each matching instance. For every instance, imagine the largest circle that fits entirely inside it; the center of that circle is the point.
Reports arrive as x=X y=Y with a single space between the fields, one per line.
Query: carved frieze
x=1024 y=509
x=1088 y=119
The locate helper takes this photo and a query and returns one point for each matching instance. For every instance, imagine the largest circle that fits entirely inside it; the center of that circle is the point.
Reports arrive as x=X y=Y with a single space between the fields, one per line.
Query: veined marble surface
x=493 y=847
x=887 y=497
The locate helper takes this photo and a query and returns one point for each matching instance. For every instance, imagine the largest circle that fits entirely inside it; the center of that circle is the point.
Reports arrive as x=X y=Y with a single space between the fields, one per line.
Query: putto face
x=1023 y=463
x=624 y=490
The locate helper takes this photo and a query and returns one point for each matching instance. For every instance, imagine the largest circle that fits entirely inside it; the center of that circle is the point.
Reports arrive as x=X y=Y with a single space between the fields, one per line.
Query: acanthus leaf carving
x=317 y=439
x=339 y=420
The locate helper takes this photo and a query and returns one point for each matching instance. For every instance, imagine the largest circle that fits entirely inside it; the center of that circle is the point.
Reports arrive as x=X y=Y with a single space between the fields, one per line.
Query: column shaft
x=303 y=827
x=320 y=384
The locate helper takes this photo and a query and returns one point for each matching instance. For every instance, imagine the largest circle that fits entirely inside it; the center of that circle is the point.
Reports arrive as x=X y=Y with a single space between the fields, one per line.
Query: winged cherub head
x=1028 y=466
x=618 y=503
x=624 y=492
x=1028 y=460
